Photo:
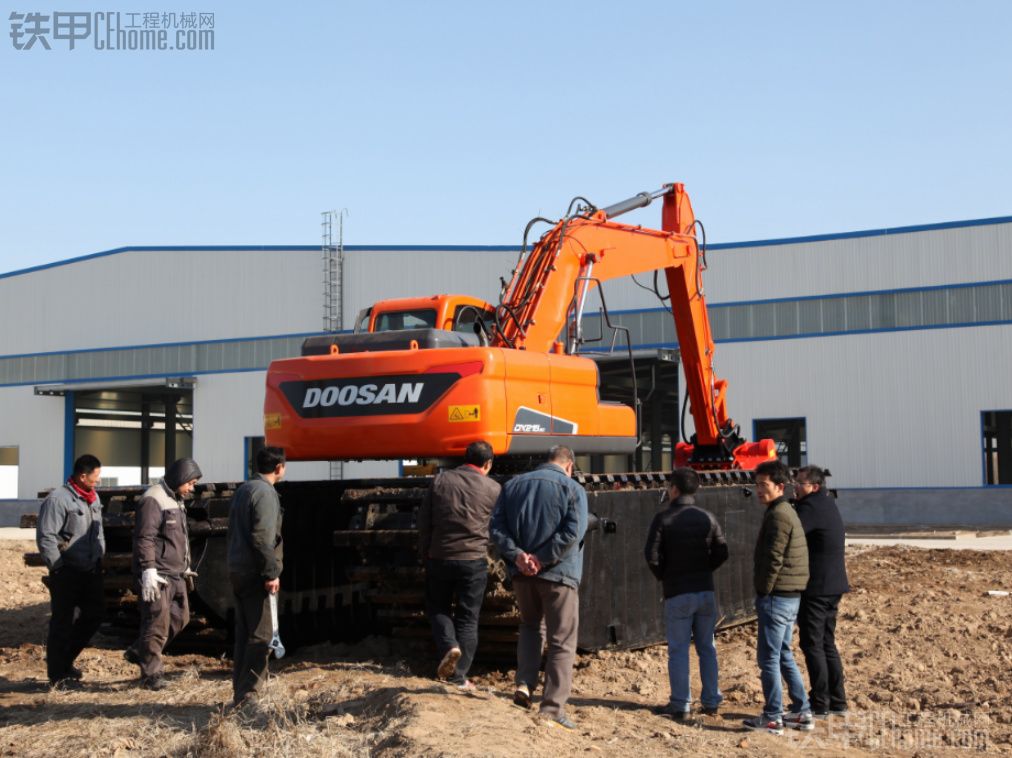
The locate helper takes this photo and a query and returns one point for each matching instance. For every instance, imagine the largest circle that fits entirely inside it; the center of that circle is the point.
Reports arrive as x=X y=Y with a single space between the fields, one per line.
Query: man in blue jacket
x=538 y=525
x=824 y=532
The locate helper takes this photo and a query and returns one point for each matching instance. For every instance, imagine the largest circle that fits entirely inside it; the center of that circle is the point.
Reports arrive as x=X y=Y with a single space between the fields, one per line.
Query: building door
x=789 y=434
x=135 y=432
x=8 y=473
x=997 y=427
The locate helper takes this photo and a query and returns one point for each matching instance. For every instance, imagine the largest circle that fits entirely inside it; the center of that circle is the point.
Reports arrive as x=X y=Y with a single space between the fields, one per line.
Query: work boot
x=65 y=683
x=669 y=710
x=131 y=656
x=155 y=683
x=448 y=666
x=522 y=696
x=560 y=719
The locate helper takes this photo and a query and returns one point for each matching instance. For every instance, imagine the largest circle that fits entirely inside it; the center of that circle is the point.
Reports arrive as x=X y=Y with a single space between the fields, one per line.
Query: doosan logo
x=366 y=394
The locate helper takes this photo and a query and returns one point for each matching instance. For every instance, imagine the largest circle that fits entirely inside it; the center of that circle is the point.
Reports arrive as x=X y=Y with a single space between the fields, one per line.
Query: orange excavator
x=424 y=377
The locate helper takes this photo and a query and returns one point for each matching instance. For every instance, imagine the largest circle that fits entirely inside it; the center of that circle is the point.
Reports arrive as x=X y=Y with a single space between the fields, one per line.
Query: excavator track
x=352 y=567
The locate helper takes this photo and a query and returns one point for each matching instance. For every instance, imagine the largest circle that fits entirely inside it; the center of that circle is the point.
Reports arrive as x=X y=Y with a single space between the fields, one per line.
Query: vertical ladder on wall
x=333 y=263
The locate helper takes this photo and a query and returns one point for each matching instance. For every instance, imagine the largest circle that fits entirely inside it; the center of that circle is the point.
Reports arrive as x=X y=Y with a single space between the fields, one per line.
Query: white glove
x=151 y=585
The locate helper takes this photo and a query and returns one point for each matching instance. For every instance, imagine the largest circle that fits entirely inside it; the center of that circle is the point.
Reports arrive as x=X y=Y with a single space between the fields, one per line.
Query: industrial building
x=884 y=355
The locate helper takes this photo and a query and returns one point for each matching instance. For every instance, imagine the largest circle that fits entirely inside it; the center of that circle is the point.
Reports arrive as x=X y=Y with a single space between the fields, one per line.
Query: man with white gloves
x=161 y=563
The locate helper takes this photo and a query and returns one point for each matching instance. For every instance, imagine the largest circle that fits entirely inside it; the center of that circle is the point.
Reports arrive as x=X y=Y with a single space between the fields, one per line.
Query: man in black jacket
x=820 y=518
x=255 y=554
x=684 y=547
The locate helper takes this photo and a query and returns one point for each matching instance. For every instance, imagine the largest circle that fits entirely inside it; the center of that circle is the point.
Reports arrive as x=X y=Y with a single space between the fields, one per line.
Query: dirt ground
x=927 y=653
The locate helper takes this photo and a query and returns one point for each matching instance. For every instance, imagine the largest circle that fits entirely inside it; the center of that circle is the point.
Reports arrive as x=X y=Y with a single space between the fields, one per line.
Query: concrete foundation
x=11 y=511
x=955 y=508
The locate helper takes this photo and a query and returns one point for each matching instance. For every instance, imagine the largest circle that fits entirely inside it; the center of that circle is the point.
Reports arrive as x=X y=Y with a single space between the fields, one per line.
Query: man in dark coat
x=255 y=555
x=824 y=532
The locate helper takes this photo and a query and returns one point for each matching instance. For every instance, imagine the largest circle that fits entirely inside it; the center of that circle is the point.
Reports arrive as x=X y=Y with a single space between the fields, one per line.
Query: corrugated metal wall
x=149 y=297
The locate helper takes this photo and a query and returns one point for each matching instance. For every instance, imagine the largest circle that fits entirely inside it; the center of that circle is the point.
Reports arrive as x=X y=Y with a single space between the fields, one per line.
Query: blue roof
x=508 y=248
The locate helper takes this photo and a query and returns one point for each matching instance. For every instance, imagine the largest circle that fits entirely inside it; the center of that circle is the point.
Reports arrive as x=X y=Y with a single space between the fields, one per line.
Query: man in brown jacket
x=161 y=567
x=453 y=526
x=781 y=574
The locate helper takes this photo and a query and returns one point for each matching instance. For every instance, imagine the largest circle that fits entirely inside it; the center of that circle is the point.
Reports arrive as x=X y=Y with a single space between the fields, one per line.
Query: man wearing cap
x=162 y=568
x=71 y=542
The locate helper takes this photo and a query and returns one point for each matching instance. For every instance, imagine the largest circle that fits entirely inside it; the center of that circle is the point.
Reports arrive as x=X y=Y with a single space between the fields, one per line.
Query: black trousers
x=453 y=594
x=252 y=634
x=817 y=635
x=71 y=589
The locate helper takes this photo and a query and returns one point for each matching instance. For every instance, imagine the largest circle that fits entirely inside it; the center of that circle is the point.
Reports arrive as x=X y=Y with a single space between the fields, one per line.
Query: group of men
x=799 y=575
x=538 y=521
x=71 y=541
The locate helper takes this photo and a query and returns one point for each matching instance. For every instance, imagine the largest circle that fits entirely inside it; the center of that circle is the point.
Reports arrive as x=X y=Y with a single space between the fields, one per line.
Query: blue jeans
x=691 y=616
x=773 y=653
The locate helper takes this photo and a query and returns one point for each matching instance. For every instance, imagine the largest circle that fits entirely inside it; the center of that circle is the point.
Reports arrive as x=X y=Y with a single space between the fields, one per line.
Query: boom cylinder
x=639 y=200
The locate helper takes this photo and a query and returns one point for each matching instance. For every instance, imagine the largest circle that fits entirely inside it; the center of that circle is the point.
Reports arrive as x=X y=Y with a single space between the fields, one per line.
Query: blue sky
x=447 y=122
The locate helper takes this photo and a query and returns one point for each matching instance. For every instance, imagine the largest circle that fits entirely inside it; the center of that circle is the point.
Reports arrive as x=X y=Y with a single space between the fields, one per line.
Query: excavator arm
x=550 y=285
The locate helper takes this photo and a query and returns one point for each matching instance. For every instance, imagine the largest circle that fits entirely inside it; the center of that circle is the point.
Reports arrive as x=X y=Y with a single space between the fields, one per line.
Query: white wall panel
x=380 y=275
x=35 y=426
x=897 y=409
x=146 y=297
x=227 y=408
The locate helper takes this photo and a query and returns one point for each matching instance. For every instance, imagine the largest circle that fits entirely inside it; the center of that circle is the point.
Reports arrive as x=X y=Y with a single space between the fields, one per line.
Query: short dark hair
x=478 y=453
x=685 y=479
x=775 y=470
x=86 y=464
x=269 y=458
x=561 y=454
x=813 y=475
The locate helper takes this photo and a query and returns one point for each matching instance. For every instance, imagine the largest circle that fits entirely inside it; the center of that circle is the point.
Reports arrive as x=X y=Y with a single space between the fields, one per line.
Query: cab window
x=465 y=315
x=396 y=320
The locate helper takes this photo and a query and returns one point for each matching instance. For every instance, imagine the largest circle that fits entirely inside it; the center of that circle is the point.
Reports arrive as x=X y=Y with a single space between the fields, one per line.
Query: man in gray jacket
x=538 y=525
x=255 y=553
x=161 y=563
x=70 y=538
x=453 y=542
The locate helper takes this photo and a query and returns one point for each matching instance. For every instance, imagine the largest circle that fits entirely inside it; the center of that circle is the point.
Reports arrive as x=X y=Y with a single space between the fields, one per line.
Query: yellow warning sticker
x=272 y=421
x=465 y=413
